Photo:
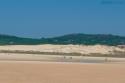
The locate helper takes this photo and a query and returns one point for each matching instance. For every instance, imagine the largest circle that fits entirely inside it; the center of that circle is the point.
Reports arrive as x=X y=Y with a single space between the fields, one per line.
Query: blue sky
x=48 y=18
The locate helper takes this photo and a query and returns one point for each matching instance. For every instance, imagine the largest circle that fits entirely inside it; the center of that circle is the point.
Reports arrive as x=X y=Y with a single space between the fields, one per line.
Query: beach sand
x=57 y=58
x=61 y=72
x=40 y=68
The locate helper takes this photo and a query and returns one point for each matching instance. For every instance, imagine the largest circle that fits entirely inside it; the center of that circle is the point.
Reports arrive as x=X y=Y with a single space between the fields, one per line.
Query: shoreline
x=57 y=58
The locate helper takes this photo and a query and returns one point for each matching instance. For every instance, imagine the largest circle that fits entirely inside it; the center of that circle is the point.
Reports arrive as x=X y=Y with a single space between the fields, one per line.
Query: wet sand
x=61 y=72
x=57 y=58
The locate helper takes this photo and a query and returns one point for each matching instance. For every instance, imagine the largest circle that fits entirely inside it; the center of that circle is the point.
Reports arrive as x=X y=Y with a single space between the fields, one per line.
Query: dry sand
x=83 y=49
x=27 y=68
x=47 y=72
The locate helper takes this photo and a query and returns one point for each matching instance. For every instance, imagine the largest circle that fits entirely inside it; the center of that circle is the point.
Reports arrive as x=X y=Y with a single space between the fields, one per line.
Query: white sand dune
x=60 y=49
x=83 y=49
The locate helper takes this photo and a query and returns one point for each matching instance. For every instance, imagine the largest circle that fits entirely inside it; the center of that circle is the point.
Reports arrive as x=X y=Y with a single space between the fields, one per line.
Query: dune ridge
x=82 y=49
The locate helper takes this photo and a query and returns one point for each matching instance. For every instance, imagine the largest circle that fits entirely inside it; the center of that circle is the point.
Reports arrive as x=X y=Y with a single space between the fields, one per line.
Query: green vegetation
x=13 y=40
x=86 y=39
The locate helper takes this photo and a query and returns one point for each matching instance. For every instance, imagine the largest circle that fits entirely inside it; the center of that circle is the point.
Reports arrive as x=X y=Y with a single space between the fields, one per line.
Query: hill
x=13 y=40
x=86 y=39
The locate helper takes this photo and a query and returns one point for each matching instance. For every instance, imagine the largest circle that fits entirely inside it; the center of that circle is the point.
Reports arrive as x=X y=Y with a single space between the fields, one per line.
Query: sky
x=49 y=18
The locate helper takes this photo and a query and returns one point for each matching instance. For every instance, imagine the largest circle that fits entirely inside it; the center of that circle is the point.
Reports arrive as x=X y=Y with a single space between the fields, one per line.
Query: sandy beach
x=62 y=41
x=45 y=68
x=53 y=72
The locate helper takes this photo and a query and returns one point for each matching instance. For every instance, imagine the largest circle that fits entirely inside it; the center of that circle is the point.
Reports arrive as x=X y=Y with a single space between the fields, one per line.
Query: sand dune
x=83 y=49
